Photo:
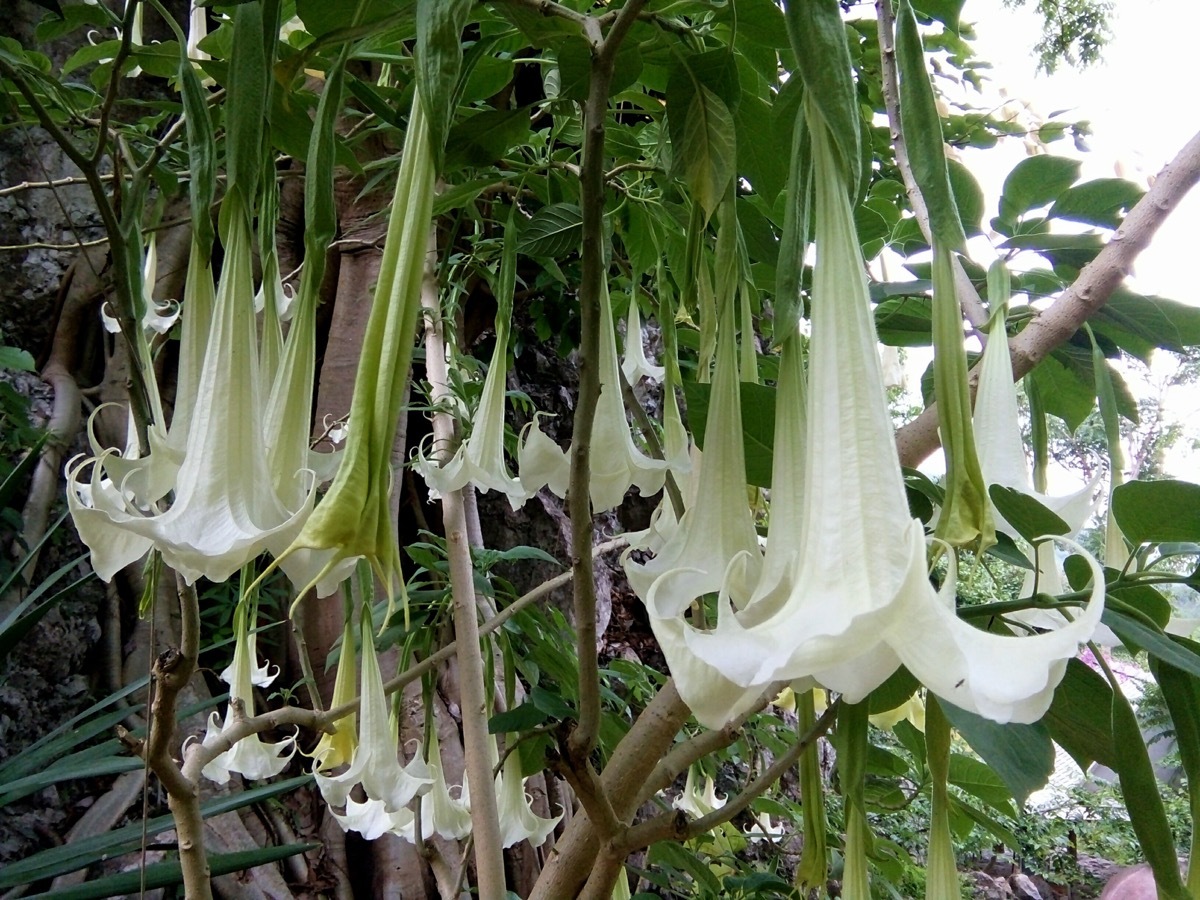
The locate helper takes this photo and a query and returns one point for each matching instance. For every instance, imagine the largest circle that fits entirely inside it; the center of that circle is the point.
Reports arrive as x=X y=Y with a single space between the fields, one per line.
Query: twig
x=1052 y=327
x=972 y=306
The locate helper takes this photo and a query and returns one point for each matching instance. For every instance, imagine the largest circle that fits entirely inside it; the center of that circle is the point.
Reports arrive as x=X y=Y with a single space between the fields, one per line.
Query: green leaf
x=981 y=782
x=762 y=148
x=968 y=197
x=945 y=11
x=897 y=689
x=1033 y=183
x=1073 y=250
x=1079 y=716
x=983 y=820
x=553 y=231
x=1154 y=511
x=1102 y=202
x=1139 y=787
x=676 y=856
x=520 y=718
x=758 y=425
x=1022 y=755
x=818 y=37
x=1063 y=392
x=575 y=67
x=1131 y=629
x=166 y=874
x=702 y=137
x=922 y=126
x=438 y=58
x=485 y=137
x=1024 y=513
x=906 y=321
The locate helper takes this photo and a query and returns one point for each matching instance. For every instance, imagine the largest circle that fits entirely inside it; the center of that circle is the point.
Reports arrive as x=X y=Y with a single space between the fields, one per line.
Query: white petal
x=635 y=365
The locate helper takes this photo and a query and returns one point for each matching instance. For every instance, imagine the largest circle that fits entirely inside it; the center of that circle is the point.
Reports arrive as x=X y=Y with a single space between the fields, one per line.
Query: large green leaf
x=1024 y=513
x=554 y=231
x=1154 y=511
x=978 y=780
x=1079 y=717
x=701 y=126
x=1134 y=631
x=1035 y=182
x=485 y=137
x=1139 y=788
x=1022 y=755
x=1102 y=202
x=758 y=425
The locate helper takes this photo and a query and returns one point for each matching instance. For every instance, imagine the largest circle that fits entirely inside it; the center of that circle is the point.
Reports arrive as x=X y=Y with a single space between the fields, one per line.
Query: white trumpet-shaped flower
x=858 y=602
x=251 y=757
x=375 y=764
x=695 y=556
x=698 y=803
x=480 y=460
x=441 y=813
x=541 y=462
x=634 y=363
x=225 y=510
x=354 y=520
x=764 y=829
x=1002 y=451
x=619 y=463
x=337 y=749
x=518 y=821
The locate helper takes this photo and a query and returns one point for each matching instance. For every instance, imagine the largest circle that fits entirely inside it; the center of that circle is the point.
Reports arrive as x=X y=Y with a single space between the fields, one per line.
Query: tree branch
x=485 y=815
x=1054 y=326
x=972 y=306
x=579 y=508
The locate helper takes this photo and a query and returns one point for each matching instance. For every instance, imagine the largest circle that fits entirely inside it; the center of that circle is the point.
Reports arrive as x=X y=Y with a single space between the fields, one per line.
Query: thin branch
x=972 y=306
x=114 y=79
x=46 y=185
x=591 y=184
x=549 y=8
x=675 y=826
x=1052 y=327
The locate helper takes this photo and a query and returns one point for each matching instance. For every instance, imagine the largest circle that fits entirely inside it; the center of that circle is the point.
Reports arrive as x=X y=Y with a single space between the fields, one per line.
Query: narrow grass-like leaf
x=166 y=874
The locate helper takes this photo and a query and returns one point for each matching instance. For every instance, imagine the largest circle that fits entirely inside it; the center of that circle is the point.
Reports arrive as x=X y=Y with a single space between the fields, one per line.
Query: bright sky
x=1141 y=104
x=1139 y=98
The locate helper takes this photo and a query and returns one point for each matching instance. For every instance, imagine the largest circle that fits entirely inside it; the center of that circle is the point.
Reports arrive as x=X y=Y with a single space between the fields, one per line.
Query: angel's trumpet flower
x=698 y=803
x=337 y=749
x=251 y=756
x=621 y=464
x=441 y=813
x=518 y=821
x=1001 y=449
x=858 y=601
x=480 y=459
x=694 y=558
x=375 y=764
x=225 y=511
x=634 y=363
x=354 y=519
